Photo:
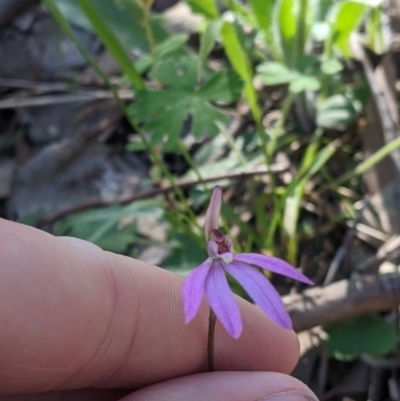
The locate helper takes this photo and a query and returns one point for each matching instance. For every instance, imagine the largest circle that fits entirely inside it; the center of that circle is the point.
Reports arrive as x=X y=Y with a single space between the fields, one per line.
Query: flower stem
x=210 y=345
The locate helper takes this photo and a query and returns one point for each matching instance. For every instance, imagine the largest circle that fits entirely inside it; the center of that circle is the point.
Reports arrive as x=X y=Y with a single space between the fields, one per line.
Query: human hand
x=77 y=323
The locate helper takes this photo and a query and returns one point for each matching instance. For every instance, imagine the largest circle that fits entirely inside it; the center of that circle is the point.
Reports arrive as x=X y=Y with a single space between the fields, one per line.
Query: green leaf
x=111 y=41
x=302 y=83
x=186 y=255
x=274 y=73
x=224 y=86
x=348 y=16
x=242 y=65
x=306 y=63
x=207 y=8
x=136 y=145
x=375 y=39
x=321 y=158
x=206 y=118
x=163 y=112
x=287 y=27
x=167 y=126
x=103 y=226
x=263 y=12
x=73 y=13
x=123 y=16
x=171 y=44
x=176 y=73
x=331 y=67
x=369 y=334
x=152 y=102
x=174 y=44
x=335 y=110
x=207 y=41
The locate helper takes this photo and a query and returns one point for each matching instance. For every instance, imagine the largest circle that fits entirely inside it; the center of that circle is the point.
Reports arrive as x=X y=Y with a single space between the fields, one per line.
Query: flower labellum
x=209 y=278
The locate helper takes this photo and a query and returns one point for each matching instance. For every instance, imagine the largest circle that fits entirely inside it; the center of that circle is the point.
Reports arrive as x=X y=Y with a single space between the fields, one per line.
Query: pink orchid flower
x=209 y=278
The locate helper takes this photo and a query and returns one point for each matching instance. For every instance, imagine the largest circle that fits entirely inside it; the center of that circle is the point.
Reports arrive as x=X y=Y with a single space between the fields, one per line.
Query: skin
x=79 y=323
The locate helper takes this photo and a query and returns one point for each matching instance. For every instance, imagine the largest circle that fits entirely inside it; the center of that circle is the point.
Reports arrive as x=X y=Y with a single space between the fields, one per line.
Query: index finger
x=74 y=316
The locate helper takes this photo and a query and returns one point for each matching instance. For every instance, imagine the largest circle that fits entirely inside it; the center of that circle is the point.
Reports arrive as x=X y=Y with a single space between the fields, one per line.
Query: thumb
x=227 y=386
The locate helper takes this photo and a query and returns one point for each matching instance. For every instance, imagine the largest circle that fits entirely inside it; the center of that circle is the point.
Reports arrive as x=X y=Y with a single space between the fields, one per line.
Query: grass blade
x=101 y=27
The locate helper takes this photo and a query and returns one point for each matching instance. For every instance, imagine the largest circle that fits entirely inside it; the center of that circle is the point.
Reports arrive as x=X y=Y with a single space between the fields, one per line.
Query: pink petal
x=193 y=290
x=272 y=264
x=213 y=211
x=261 y=291
x=221 y=300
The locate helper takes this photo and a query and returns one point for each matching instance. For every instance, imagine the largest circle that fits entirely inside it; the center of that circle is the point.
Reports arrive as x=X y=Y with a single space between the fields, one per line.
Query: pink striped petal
x=213 y=211
x=221 y=300
x=261 y=291
x=193 y=290
x=272 y=264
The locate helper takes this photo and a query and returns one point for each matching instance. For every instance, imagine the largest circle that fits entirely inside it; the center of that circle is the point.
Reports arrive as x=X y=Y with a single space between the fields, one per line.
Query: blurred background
x=118 y=117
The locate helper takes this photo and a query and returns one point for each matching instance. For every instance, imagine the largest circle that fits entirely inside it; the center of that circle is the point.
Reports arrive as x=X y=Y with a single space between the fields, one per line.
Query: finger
x=74 y=316
x=227 y=386
x=70 y=395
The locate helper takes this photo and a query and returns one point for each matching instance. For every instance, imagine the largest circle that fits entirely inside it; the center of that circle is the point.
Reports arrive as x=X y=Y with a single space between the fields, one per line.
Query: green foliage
x=370 y=334
x=263 y=16
x=375 y=38
x=173 y=45
x=107 y=35
x=208 y=39
x=112 y=228
x=347 y=18
x=181 y=260
x=206 y=7
x=241 y=63
x=336 y=110
x=163 y=112
x=124 y=18
x=274 y=73
x=287 y=23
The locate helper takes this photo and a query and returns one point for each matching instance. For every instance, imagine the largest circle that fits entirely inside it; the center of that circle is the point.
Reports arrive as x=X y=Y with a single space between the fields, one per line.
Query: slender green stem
x=375 y=158
x=240 y=155
x=280 y=124
x=270 y=151
x=189 y=160
x=149 y=31
x=182 y=222
x=210 y=343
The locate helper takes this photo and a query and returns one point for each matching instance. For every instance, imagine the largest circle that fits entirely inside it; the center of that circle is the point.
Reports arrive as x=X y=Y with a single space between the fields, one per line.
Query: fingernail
x=288 y=396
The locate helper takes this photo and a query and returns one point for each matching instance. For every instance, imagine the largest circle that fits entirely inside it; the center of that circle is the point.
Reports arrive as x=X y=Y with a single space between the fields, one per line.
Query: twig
x=36 y=86
x=16 y=102
x=341 y=252
x=382 y=90
x=384 y=99
x=343 y=300
x=47 y=222
x=389 y=250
